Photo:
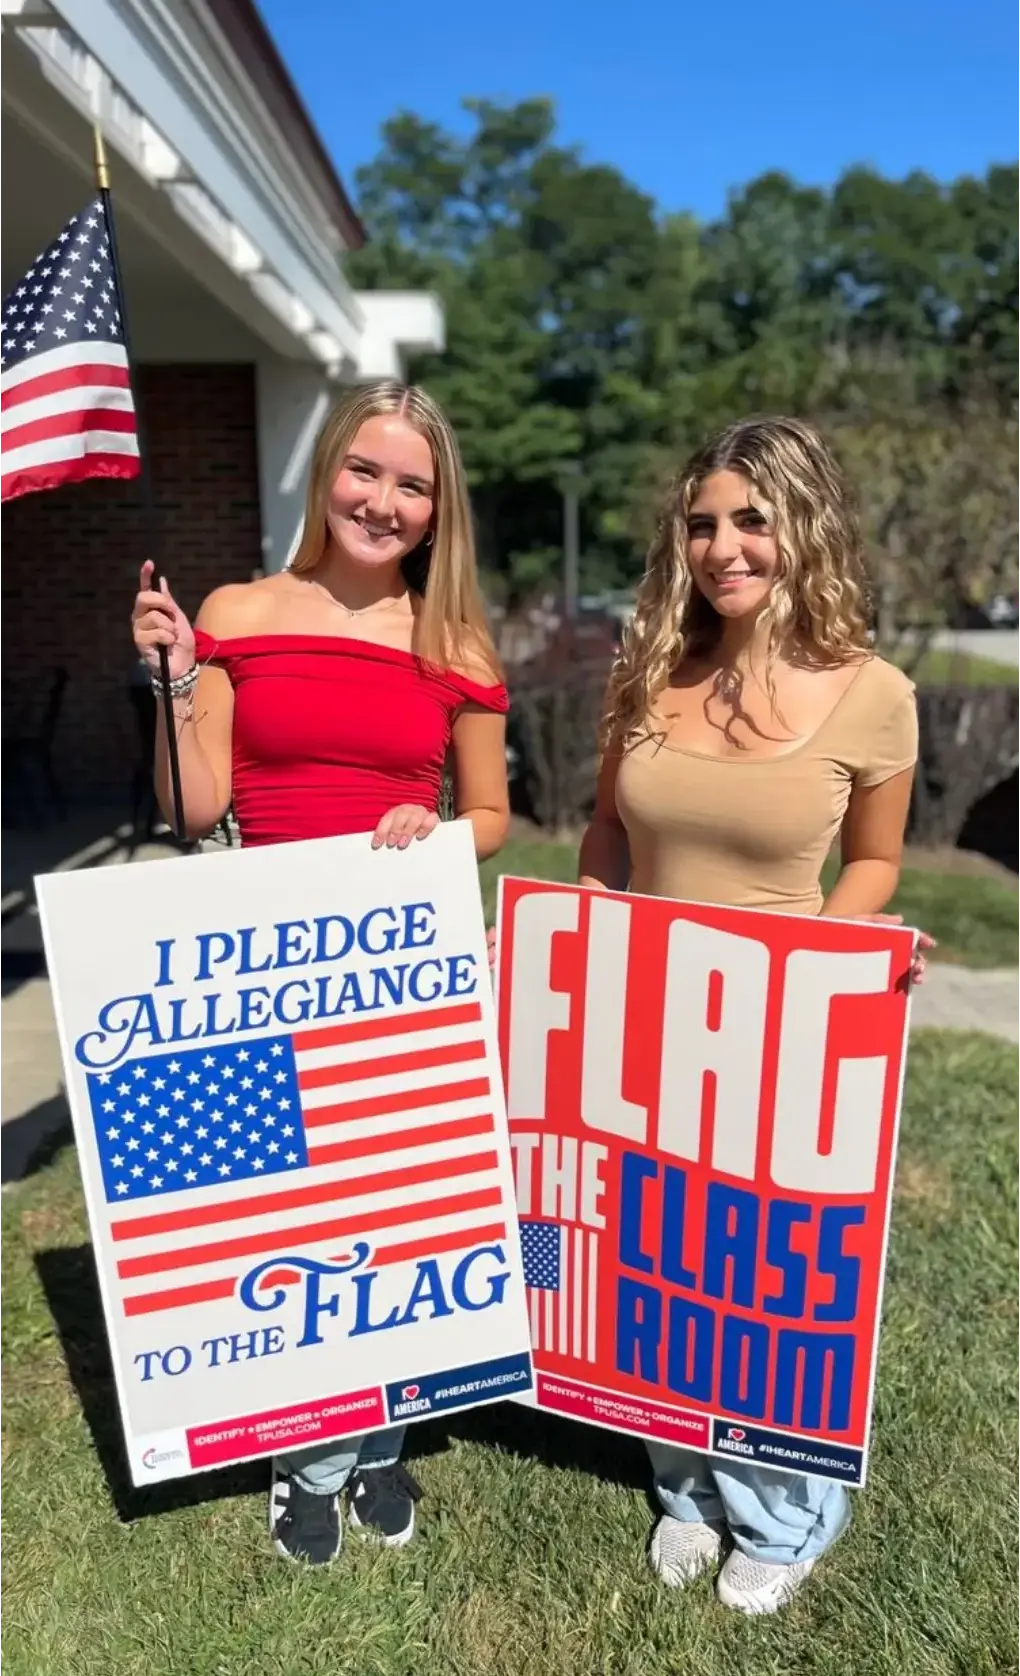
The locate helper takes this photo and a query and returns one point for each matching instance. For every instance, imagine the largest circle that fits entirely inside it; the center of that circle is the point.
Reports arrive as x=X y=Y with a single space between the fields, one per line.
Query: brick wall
x=71 y=560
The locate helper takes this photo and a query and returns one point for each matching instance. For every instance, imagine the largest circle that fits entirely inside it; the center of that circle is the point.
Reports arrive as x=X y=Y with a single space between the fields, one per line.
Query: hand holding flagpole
x=166 y=696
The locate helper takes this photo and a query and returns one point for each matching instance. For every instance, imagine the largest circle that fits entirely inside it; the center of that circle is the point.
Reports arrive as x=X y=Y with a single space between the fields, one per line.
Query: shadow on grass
x=30 y=1142
x=67 y=1277
x=534 y=1436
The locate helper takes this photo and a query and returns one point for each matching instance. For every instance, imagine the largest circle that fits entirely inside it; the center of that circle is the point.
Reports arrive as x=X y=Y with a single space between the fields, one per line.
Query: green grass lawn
x=942 y=664
x=974 y=919
x=527 y=858
x=530 y=1558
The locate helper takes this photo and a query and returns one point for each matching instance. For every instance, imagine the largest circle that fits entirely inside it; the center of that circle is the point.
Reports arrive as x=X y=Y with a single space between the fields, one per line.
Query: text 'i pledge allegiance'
x=734 y=1053
x=253 y=949
x=156 y=1018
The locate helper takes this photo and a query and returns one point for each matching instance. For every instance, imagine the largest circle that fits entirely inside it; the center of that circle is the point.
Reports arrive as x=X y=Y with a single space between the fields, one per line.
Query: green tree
x=583 y=325
x=446 y=214
x=985 y=329
x=938 y=496
x=543 y=264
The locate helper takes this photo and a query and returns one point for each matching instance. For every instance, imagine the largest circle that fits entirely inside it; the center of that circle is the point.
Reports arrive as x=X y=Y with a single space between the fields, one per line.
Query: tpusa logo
x=734 y=1441
x=155 y=1458
x=411 y=1401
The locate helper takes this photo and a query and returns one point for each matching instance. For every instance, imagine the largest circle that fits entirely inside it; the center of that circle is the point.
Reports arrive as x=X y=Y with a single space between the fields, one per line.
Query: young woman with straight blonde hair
x=326 y=700
x=749 y=724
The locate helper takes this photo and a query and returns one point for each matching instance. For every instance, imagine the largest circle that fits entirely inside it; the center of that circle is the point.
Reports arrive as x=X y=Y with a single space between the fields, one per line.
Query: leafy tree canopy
x=582 y=324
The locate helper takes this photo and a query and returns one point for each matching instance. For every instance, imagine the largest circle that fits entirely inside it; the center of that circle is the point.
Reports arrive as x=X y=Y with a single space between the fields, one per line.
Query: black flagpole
x=148 y=496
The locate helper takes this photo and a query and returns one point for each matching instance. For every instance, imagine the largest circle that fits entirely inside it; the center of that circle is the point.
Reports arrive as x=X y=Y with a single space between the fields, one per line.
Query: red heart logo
x=736 y=1434
x=411 y=1391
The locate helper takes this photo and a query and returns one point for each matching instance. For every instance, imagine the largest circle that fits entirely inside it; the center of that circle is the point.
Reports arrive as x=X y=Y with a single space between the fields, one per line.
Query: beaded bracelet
x=182 y=687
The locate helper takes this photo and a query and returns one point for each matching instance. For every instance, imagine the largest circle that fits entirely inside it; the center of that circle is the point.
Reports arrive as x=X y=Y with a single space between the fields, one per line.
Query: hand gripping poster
x=282 y=1068
x=703 y=1107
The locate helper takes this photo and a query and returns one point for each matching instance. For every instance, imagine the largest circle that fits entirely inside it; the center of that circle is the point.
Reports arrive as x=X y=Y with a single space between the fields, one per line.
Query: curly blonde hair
x=443 y=571
x=819 y=601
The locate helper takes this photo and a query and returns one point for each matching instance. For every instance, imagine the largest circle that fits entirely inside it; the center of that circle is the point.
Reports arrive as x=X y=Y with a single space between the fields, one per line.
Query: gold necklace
x=363 y=610
x=728 y=684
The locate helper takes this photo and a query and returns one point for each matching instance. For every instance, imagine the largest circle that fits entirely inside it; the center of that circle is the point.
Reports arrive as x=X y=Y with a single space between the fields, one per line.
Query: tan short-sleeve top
x=754 y=832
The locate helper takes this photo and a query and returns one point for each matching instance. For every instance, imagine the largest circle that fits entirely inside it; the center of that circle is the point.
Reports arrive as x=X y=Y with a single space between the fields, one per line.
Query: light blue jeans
x=324 y=1470
x=776 y=1516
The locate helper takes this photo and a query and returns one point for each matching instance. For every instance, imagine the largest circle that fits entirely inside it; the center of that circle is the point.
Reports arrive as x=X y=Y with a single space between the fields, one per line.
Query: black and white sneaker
x=303 y=1526
x=381 y=1504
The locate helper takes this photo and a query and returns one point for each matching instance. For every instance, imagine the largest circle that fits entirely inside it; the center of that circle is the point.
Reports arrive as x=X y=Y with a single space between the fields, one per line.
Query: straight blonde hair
x=451 y=628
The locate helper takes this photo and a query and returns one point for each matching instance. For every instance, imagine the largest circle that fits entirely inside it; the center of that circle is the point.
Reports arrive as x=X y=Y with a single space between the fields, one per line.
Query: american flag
x=65 y=392
x=561 y=1277
x=216 y=1158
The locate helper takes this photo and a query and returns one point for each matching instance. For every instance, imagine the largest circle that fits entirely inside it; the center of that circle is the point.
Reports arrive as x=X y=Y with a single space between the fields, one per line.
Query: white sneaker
x=755 y=1586
x=681 y=1551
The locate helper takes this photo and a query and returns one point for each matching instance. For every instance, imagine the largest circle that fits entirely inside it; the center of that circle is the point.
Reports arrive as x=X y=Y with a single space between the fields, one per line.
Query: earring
x=429 y=538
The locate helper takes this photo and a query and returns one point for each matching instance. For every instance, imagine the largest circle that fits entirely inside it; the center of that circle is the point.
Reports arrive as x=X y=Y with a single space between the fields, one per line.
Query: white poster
x=283 y=1073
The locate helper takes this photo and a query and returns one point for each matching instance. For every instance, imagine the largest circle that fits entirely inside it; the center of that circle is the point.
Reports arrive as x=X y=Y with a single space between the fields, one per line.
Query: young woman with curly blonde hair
x=748 y=723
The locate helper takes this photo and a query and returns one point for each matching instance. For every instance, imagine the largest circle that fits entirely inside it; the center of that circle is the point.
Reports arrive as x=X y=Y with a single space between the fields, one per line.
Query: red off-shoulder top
x=330 y=733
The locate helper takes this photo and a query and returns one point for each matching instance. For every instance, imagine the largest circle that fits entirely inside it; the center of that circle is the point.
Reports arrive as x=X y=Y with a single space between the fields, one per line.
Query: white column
x=397 y=323
x=293 y=399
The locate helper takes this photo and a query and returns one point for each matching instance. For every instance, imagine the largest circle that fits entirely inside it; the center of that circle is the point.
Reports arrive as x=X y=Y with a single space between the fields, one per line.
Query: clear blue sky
x=687 y=98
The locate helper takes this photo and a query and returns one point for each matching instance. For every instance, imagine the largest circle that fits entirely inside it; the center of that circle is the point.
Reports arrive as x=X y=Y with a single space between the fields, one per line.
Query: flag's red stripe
x=457 y=1128
x=318 y=1193
x=70 y=424
x=208 y=1291
x=29 y=479
x=411 y=1249
x=156 y=1262
x=424 y=1059
x=114 y=377
x=370 y=1029
x=403 y=1100
x=389 y=1181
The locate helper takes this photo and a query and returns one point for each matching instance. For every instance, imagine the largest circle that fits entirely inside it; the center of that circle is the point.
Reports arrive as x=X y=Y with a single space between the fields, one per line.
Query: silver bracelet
x=182 y=687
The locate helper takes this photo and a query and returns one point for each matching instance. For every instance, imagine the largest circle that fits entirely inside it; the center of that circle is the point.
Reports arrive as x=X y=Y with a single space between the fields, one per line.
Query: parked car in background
x=1001 y=612
x=1004 y=613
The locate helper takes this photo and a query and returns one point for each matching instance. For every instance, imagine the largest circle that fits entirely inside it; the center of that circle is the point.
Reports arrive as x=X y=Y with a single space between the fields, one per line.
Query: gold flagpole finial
x=102 y=168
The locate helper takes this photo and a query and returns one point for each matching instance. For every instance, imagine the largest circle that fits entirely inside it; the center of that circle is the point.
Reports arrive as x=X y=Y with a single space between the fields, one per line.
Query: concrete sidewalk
x=32 y=1104
x=955 y=998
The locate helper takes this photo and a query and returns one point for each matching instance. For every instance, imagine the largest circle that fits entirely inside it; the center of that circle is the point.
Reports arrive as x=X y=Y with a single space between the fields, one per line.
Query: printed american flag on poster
x=214 y=1157
x=66 y=409
x=561 y=1279
x=282 y=1069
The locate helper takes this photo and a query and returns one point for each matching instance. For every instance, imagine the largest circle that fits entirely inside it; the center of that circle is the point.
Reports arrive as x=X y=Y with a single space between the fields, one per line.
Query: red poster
x=703 y=1108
